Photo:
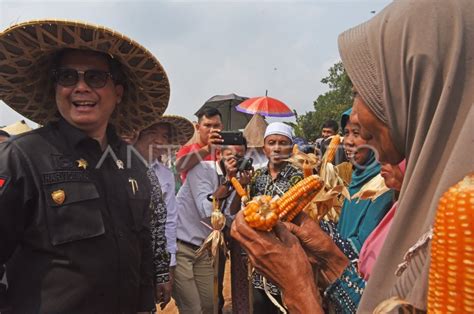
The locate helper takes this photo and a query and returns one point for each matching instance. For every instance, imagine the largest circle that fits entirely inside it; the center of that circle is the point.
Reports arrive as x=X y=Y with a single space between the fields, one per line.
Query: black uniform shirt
x=74 y=221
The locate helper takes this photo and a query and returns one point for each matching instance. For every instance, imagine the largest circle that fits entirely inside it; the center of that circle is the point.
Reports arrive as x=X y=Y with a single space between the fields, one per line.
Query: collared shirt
x=191 y=149
x=263 y=184
x=167 y=181
x=192 y=202
x=74 y=224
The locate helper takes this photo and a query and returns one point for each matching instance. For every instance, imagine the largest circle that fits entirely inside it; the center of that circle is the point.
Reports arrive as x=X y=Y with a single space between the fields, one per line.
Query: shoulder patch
x=3 y=182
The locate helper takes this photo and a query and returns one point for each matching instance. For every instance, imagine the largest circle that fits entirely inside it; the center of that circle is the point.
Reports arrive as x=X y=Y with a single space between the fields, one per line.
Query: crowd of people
x=104 y=207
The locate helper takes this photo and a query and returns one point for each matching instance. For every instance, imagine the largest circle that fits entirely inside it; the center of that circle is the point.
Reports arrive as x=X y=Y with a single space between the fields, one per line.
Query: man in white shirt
x=193 y=285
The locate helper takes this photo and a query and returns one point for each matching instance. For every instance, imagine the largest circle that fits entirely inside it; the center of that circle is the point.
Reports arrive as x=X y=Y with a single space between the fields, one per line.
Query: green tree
x=329 y=105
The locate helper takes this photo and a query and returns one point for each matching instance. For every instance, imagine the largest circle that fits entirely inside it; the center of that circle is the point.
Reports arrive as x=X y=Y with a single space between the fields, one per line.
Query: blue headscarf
x=359 y=218
x=345 y=118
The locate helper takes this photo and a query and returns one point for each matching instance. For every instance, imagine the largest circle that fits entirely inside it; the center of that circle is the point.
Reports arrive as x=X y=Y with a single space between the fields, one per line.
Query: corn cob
x=451 y=277
x=262 y=212
x=217 y=220
x=297 y=197
x=331 y=151
x=238 y=187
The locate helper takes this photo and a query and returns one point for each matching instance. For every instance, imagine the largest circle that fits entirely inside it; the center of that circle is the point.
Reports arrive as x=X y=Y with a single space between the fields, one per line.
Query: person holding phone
x=208 y=127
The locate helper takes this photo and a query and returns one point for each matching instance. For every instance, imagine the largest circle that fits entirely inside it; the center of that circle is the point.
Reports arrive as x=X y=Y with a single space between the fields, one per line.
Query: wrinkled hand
x=163 y=291
x=280 y=257
x=319 y=246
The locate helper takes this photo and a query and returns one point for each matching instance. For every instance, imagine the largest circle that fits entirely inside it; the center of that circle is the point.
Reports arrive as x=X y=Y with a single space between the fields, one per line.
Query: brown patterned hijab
x=413 y=66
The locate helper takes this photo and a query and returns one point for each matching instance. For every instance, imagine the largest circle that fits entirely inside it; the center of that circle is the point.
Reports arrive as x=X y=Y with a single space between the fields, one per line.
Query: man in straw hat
x=169 y=132
x=17 y=128
x=74 y=224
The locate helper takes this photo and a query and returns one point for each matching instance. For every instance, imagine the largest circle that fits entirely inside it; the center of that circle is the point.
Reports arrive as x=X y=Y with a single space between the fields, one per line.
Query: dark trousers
x=222 y=260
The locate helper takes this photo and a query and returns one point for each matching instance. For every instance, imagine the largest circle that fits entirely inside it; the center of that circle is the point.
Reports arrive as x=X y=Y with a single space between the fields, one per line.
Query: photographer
x=233 y=164
x=193 y=287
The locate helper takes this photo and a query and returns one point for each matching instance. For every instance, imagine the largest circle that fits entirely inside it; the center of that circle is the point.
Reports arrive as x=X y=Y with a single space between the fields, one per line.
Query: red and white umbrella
x=265 y=106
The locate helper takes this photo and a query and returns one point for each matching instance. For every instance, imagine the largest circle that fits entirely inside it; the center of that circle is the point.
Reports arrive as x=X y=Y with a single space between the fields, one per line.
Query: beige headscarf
x=413 y=66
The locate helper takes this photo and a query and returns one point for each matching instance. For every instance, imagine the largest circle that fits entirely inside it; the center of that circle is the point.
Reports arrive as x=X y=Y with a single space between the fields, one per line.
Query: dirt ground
x=172 y=309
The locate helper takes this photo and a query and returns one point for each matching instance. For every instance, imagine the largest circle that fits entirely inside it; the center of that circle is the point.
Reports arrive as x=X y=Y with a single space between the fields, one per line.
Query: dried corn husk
x=327 y=203
x=372 y=189
x=213 y=244
x=344 y=170
x=305 y=162
x=215 y=241
x=330 y=175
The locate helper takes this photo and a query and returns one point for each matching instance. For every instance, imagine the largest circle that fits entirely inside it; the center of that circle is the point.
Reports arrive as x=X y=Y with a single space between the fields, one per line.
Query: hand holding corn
x=263 y=212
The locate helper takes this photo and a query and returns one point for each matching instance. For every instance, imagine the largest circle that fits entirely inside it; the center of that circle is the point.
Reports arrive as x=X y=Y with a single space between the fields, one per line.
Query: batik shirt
x=346 y=291
x=263 y=184
x=161 y=257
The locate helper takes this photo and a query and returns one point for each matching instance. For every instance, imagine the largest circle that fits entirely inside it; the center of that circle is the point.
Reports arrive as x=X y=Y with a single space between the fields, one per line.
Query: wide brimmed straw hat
x=26 y=53
x=182 y=130
x=17 y=128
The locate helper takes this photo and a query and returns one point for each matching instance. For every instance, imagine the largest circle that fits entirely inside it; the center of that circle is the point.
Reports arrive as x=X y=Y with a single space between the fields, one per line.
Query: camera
x=244 y=164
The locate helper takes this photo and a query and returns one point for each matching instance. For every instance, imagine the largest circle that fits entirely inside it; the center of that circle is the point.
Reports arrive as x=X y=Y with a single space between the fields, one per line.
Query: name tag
x=65 y=176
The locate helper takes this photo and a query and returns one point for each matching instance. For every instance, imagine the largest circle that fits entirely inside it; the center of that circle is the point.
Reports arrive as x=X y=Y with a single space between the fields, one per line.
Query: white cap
x=279 y=128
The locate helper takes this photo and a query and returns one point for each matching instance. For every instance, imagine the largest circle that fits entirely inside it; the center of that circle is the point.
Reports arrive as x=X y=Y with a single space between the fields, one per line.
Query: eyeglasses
x=70 y=77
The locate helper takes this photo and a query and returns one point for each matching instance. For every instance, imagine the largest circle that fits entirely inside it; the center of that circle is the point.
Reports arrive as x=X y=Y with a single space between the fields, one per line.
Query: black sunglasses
x=70 y=77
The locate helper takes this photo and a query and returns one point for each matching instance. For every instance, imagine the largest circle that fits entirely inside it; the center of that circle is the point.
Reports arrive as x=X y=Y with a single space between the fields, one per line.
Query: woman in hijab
x=413 y=71
x=414 y=101
x=358 y=217
x=344 y=294
x=393 y=177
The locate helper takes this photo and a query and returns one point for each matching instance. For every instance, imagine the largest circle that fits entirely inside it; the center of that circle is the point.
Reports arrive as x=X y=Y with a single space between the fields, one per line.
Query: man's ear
x=119 y=93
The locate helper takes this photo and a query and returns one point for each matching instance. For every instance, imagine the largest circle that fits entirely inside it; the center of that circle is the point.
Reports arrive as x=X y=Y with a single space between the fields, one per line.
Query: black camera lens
x=244 y=164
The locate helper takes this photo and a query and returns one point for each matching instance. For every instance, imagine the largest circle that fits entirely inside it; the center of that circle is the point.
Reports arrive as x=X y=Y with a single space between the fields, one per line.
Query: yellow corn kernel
x=450 y=279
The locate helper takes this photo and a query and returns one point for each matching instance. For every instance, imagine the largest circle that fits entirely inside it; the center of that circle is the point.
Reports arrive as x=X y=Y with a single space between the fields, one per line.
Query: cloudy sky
x=219 y=47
